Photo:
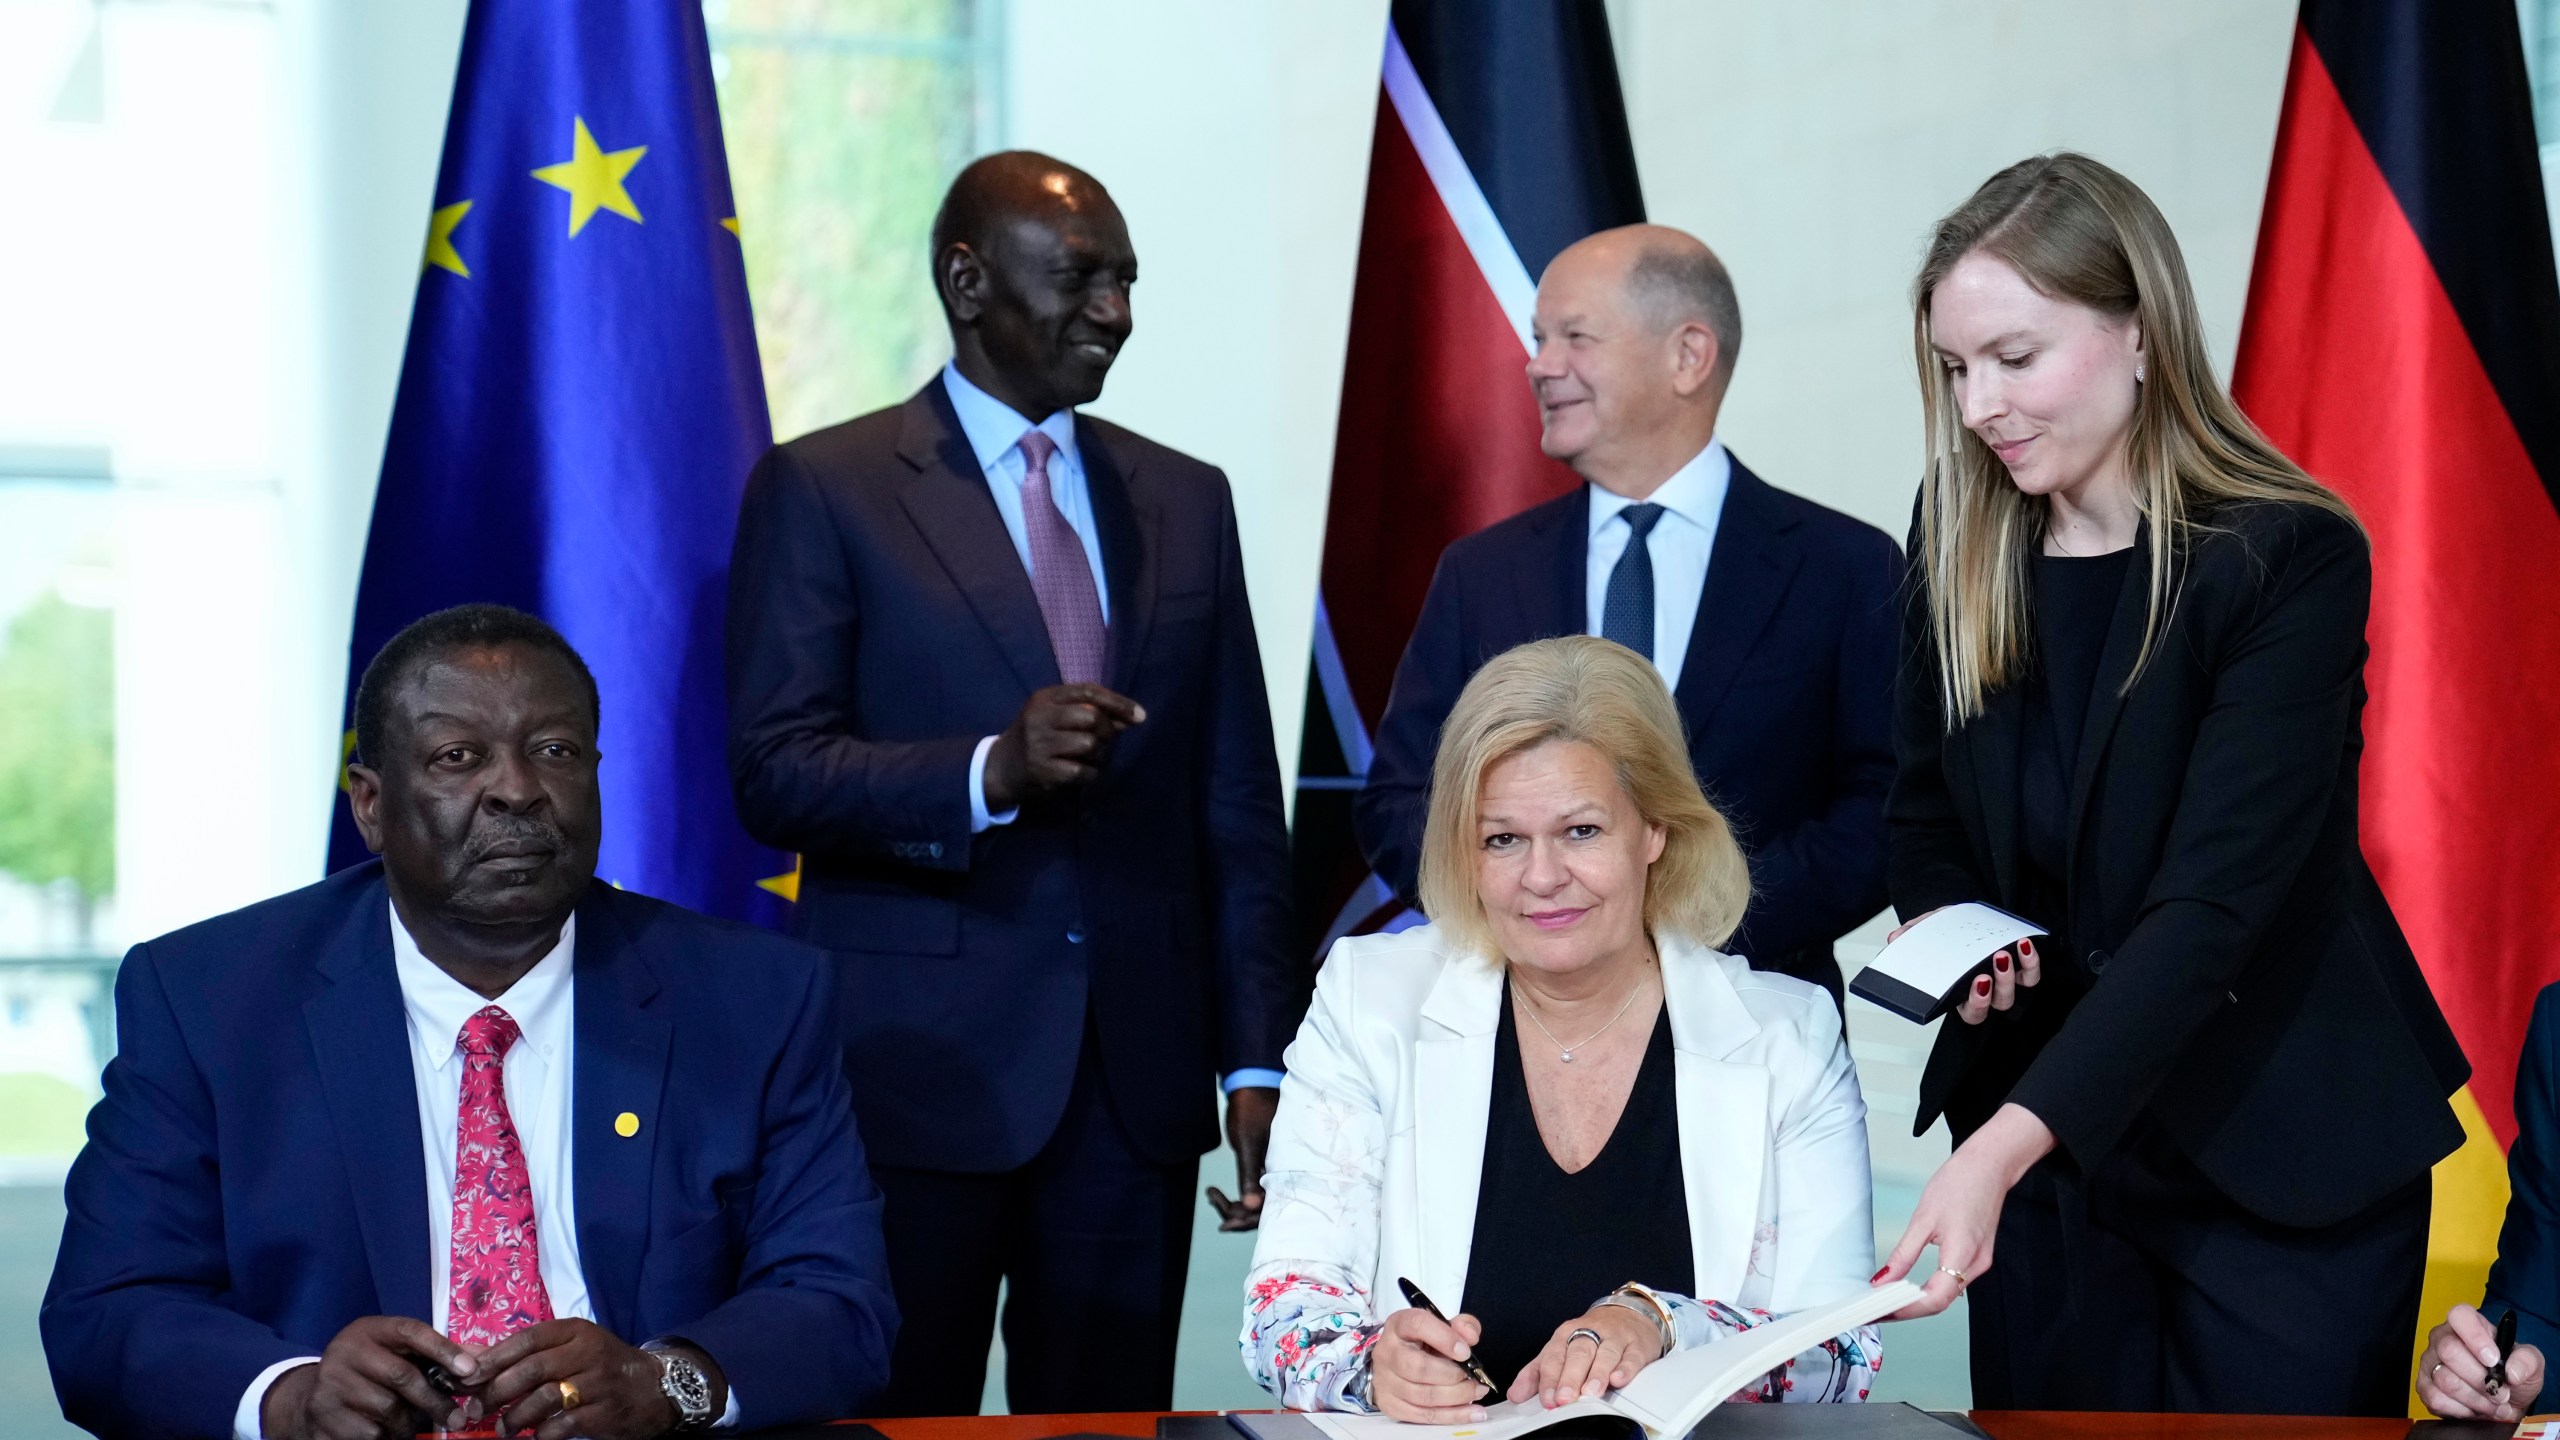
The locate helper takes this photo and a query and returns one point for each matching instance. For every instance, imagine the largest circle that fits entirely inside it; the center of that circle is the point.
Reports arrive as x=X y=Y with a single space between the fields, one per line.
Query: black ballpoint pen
x=2497 y=1378
x=1413 y=1296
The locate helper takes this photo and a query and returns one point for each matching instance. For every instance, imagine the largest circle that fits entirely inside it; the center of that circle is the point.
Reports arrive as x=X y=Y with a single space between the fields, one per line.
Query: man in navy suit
x=590 y=1154
x=992 y=672
x=1770 y=617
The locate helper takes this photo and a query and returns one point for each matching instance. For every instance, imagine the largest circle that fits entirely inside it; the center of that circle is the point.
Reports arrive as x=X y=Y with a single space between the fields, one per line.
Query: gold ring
x=1960 y=1280
x=568 y=1395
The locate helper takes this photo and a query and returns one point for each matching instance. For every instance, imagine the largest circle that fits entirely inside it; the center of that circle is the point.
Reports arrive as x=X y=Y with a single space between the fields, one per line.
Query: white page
x=1672 y=1394
x=1929 y=958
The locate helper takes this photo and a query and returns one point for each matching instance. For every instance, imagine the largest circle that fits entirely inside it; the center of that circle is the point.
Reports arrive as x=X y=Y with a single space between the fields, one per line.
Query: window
x=845 y=120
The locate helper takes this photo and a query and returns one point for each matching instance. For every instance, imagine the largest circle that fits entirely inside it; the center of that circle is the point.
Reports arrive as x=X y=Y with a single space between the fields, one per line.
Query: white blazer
x=1378 y=1149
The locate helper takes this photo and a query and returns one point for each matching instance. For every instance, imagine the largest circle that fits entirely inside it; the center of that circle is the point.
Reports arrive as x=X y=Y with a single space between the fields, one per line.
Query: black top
x=2075 y=603
x=1548 y=1243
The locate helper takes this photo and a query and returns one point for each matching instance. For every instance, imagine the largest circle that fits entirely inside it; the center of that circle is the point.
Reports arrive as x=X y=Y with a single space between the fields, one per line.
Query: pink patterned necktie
x=1061 y=578
x=496 y=1286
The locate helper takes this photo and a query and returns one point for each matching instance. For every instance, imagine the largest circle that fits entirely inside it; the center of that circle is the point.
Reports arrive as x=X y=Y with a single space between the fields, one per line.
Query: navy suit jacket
x=2526 y=1277
x=255 y=1178
x=1787 y=692
x=880 y=624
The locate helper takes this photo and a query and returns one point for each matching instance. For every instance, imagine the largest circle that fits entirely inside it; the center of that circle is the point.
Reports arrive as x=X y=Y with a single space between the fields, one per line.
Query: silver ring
x=2432 y=1369
x=1581 y=1331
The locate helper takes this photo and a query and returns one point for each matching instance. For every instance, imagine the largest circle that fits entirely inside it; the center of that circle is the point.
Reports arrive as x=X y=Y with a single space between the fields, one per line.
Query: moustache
x=512 y=838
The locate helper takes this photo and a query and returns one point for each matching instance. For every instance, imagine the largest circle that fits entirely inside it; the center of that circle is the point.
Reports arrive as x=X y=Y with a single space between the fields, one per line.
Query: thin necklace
x=1532 y=1007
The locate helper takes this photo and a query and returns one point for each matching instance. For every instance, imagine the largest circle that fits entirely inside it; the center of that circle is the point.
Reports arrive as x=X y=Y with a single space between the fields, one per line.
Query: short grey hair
x=1675 y=284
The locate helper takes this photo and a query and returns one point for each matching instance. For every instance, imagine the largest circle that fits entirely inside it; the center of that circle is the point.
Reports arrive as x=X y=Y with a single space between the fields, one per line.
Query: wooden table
x=2000 y=1424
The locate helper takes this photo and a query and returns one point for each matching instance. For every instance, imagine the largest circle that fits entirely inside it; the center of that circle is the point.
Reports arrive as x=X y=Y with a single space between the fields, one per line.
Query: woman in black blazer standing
x=2196 y=1120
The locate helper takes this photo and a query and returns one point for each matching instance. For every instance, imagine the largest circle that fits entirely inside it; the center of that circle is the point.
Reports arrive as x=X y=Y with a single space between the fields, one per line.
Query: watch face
x=687 y=1387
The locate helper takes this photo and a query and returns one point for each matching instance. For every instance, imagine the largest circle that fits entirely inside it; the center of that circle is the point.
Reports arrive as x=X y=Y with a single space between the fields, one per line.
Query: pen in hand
x=2497 y=1377
x=1413 y=1296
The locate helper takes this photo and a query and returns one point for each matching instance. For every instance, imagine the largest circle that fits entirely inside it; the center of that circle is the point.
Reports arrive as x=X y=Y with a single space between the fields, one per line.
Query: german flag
x=2403 y=344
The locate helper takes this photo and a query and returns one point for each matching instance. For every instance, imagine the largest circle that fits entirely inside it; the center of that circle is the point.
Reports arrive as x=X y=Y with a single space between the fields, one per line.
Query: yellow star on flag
x=786 y=886
x=730 y=224
x=593 y=178
x=440 y=251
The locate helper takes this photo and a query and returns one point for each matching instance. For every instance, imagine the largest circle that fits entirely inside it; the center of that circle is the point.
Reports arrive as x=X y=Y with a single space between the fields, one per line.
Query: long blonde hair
x=1598 y=692
x=2077 y=231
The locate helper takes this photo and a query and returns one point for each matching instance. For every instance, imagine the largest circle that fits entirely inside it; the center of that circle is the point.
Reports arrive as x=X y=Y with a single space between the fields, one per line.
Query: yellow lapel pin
x=626 y=1124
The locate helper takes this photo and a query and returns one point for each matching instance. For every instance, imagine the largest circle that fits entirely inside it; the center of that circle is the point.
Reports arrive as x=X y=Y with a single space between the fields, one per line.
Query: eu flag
x=579 y=407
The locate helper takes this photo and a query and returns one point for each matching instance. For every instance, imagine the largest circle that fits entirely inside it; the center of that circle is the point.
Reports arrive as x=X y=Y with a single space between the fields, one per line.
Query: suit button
x=2097 y=962
x=1075 y=934
x=934 y=849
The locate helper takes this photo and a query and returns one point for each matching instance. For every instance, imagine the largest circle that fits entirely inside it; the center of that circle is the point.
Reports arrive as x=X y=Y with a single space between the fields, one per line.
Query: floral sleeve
x=1308 y=1329
x=1842 y=1368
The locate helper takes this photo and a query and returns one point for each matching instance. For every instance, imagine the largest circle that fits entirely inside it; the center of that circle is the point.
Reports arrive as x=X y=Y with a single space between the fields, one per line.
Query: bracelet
x=1637 y=1300
x=1662 y=1312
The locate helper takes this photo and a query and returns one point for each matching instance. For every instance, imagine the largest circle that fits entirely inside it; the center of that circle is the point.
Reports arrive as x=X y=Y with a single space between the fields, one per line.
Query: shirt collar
x=438 y=1004
x=1695 y=491
x=994 y=428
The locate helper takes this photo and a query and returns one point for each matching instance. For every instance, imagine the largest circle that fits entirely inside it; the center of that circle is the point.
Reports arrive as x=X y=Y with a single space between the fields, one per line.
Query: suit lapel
x=1724 y=1116
x=1563 y=605
x=620 y=1069
x=1747 y=575
x=360 y=1037
x=1452 y=1105
x=2106 y=697
x=949 y=503
x=1127 y=528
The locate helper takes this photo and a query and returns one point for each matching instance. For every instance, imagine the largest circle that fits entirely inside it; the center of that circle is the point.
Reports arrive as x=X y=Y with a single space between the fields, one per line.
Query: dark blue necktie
x=1626 y=615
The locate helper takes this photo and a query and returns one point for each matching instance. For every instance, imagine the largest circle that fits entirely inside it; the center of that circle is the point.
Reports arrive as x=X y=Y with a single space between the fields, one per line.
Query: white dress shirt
x=995 y=432
x=538 y=1072
x=1681 y=542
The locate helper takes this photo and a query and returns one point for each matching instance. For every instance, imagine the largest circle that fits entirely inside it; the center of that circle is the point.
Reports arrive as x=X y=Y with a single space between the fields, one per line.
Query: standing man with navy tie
x=992 y=672
x=1769 y=617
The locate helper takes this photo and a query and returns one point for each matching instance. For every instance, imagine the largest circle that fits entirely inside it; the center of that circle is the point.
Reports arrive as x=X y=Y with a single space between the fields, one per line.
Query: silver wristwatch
x=687 y=1387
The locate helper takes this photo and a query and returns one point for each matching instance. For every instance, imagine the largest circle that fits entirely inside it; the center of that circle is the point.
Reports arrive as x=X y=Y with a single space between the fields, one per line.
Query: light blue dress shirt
x=1681 y=542
x=995 y=430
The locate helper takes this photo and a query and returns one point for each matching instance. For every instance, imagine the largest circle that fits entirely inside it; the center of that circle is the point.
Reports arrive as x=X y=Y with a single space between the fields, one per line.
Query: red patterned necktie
x=1061 y=577
x=496 y=1286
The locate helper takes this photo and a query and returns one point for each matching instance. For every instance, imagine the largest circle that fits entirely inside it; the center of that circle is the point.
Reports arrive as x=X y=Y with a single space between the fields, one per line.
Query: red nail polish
x=1879 y=1274
x=2027 y=948
x=1982 y=986
x=2000 y=962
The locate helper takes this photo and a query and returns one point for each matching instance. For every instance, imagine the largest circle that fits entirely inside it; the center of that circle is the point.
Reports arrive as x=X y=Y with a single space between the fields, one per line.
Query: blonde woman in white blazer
x=1565 y=1021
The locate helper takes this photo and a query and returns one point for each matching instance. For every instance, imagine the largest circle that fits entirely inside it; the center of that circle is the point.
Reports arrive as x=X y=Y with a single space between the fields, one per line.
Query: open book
x=1668 y=1397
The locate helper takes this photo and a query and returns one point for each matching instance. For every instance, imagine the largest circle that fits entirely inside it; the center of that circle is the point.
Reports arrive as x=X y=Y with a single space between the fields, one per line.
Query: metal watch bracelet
x=685 y=1387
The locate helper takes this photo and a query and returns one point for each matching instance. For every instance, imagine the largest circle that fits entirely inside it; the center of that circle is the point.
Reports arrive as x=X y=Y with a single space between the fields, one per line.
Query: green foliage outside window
x=844 y=119
x=57 y=748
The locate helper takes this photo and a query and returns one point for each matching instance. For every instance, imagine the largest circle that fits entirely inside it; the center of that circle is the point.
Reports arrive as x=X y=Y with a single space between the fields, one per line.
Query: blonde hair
x=1604 y=695
x=2077 y=231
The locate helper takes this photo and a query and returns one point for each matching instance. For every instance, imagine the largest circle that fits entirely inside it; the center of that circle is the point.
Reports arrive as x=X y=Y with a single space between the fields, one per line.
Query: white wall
x=1814 y=145
x=1236 y=140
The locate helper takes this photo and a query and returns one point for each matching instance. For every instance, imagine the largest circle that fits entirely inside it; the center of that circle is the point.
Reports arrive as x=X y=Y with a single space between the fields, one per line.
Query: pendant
x=1568 y=1057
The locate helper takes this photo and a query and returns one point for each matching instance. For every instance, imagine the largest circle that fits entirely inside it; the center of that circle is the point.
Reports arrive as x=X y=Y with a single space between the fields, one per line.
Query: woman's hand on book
x=1414 y=1374
x=1573 y=1368
x=1959 y=1209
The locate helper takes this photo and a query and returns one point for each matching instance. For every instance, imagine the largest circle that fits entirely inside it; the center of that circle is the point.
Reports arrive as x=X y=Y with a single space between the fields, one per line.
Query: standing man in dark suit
x=993 y=674
x=1770 y=617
